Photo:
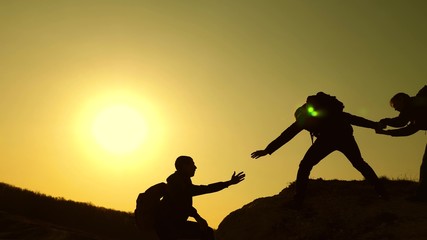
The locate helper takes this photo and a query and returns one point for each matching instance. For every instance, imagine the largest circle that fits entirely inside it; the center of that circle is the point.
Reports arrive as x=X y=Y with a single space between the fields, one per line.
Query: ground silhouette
x=334 y=210
x=28 y=215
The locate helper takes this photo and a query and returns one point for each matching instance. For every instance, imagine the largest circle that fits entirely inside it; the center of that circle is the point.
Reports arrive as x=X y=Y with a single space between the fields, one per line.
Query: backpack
x=148 y=205
x=319 y=111
x=421 y=104
x=422 y=93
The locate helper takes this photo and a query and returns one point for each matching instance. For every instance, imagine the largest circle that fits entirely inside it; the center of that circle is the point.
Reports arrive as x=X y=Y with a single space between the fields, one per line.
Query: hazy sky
x=215 y=80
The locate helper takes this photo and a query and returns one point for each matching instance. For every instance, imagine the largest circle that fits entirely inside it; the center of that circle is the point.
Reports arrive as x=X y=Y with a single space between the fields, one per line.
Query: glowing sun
x=119 y=129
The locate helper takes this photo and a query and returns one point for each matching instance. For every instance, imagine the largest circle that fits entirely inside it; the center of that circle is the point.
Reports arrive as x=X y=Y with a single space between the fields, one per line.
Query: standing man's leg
x=191 y=230
x=350 y=149
x=318 y=150
x=422 y=187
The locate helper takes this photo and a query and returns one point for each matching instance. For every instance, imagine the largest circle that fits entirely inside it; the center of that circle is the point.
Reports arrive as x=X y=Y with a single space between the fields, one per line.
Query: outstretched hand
x=258 y=154
x=235 y=179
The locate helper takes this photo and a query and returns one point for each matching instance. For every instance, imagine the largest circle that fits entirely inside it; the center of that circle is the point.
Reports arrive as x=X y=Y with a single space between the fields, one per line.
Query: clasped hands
x=380 y=128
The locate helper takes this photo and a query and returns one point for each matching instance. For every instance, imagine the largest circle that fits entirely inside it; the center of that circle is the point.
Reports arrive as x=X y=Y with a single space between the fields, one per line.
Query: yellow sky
x=215 y=80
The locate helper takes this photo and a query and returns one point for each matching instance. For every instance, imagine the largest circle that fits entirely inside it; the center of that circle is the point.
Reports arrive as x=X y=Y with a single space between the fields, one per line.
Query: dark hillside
x=334 y=210
x=28 y=215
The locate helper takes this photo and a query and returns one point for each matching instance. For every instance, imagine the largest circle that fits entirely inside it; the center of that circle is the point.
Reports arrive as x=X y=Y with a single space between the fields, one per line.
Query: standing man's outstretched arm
x=285 y=137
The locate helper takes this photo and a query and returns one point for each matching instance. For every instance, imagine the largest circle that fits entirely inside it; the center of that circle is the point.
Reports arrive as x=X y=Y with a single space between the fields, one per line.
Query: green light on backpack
x=312 y=112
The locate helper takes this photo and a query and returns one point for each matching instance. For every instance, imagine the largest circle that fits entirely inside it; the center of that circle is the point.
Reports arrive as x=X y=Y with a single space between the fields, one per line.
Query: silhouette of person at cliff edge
x=411 y=119
x=323 y=116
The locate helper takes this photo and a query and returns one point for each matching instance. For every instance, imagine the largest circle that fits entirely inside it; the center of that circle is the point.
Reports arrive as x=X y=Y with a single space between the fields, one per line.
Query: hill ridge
x=334 y=210
x=45 y=217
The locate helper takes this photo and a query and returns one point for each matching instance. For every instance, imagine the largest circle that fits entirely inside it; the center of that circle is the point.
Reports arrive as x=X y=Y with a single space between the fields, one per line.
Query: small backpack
x=421 y=103
x=422 y=93
x=148 y=205
x=318 y=111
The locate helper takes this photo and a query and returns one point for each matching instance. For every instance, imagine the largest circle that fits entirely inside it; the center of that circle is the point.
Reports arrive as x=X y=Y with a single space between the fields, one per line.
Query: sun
x=119 y=129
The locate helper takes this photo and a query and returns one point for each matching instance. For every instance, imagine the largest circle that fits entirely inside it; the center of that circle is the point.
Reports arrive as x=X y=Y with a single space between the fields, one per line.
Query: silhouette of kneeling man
x=177 y=204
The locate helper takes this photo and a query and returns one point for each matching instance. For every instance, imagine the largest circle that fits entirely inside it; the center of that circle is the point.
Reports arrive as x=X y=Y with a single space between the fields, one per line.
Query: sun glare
x=119 y=129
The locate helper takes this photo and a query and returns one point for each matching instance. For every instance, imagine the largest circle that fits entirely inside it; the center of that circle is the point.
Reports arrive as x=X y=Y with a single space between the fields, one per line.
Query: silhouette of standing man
x=177 y=204
x=412 y=118
x=333 y=131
